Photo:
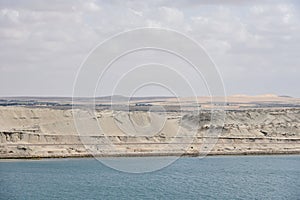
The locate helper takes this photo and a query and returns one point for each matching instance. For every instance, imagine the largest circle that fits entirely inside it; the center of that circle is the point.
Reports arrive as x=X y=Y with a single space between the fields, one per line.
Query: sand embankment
x=28 y=132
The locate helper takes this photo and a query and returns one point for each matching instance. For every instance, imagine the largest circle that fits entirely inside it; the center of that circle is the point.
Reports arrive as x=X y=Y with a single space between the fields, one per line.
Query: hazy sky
x=255 y=44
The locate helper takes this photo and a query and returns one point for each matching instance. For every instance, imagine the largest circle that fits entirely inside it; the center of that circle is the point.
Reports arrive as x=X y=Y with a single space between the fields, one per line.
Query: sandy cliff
x=44 y=132
x=32 y=131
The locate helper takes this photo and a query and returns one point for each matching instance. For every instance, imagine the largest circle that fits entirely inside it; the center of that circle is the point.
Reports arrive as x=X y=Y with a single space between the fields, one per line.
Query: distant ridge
x=120 y=98
x=260 y=95
x=286 y=96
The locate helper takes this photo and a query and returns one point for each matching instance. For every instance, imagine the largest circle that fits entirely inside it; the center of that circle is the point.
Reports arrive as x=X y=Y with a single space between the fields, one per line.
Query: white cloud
x=138 y=13
x=41 y=37
x=10 y=14
x=91 y=6
x=171 y=15
x=153 y=24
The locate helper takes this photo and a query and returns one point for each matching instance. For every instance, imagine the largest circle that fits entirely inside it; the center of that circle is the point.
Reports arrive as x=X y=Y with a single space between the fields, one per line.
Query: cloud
x=171 y=15
x=257 y=42
x=138 y=13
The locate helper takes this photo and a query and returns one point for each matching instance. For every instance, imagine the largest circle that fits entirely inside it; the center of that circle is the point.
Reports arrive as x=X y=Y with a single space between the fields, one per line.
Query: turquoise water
x=232 y=177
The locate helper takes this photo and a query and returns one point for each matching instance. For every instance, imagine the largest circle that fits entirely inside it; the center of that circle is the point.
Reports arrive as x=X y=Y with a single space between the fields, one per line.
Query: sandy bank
x=252 y=125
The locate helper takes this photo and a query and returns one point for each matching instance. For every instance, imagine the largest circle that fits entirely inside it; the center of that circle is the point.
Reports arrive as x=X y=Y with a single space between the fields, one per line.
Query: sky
x=254 y=44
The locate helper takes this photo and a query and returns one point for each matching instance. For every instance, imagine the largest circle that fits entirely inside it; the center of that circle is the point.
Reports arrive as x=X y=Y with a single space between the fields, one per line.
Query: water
x=236 y=177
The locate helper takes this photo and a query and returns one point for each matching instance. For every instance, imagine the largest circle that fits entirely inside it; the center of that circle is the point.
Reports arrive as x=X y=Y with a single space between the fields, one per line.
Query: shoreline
x=152 y=155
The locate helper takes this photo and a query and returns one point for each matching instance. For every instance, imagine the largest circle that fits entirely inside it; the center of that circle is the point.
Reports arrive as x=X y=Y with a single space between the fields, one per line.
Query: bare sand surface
x=45 y=128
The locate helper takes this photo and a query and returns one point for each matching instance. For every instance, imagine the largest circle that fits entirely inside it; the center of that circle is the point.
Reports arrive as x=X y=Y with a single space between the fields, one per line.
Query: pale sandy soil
x=251 y=125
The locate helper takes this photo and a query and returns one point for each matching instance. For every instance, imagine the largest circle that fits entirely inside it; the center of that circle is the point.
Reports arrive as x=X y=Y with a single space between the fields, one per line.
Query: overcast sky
x=255 y=44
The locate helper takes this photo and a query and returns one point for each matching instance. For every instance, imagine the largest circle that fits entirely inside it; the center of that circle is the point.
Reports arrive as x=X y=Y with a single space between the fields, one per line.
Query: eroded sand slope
x=51 y=132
